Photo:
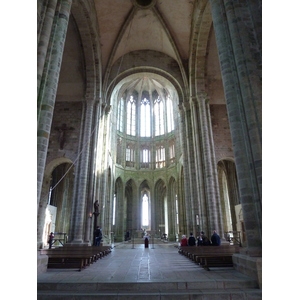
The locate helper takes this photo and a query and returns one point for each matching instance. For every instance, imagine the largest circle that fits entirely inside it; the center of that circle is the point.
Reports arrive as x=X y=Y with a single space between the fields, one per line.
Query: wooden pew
x=78 y=257
x=210 y=256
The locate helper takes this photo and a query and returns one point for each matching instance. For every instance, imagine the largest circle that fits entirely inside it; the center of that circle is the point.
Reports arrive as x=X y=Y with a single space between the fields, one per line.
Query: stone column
x=207 y=171
x=45 y=28
x=89 y=230
x=201 y=208
x=233 y=192
x=239 y=49
x=80 y=213
x=103 y=147
x=48 y=87
x=190 y=171
x=214 y=170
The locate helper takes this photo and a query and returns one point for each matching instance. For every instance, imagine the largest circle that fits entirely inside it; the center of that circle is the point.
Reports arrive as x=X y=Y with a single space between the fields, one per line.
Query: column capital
x=186 y=106
x=203 y=96
x=193 y=100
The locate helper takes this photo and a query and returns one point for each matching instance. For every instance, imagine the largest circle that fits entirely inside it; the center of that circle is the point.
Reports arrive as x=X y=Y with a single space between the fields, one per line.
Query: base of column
x=249 y=265
x=42 y=262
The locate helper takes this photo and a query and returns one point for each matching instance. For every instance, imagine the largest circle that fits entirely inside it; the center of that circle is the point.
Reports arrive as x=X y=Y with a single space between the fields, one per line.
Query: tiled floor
x=135 y=263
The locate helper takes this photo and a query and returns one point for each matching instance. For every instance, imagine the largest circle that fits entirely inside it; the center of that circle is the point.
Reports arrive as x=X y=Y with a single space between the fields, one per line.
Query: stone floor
x=132 y=271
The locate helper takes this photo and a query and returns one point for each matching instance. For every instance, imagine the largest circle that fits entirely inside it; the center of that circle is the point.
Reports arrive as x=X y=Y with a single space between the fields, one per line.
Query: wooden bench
x=76 y=257
x=59 y=237
x=210 y=256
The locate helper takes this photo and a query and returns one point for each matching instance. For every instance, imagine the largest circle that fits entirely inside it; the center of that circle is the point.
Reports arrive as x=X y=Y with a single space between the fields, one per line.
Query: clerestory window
x=145 y=158
x=170 y=116
x=131 y=120
x=120 y=115
x=145 y=118
x=159 y=117
x=160 y=157
x=172 y=150
x=130 y=155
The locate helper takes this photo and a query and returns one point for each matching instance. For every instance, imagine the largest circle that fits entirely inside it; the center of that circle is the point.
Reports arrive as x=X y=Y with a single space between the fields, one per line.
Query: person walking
x=146 y=238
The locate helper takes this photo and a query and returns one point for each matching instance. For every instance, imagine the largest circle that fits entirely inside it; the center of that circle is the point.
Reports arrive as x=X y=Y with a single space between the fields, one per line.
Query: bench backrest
x=83 y=249
x=210 y=249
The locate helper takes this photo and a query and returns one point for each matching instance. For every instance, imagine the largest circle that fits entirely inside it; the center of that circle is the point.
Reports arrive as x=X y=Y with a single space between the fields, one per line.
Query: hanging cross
x=62 y=134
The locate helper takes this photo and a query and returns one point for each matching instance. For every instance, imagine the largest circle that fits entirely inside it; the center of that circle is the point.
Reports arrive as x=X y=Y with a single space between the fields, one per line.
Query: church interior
x=149 y=118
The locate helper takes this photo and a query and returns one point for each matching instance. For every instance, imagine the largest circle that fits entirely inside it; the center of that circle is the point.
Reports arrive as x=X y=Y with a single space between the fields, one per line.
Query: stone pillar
x=45 y=27
x=210 y=169
x=80 y=213
x=102 y=185
x=48 y=86
x=210 y=204
x=233 y=192
x=201 y=208
x=89 y=230
x=188 y=161
x=238 y=37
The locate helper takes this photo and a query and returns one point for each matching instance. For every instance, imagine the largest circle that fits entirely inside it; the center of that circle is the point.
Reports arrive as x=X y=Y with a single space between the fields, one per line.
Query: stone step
x=245 y=294
x=207 y=289
x=215 y=284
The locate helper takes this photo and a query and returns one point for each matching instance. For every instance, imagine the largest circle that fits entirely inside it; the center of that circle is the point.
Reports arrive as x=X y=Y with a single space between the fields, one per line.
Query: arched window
x=145 y=157
x=114 y=210
x=120 y=115
x=160 y=156
x=145 y=118
x=131 y=111
x=170 y=117
x=159 y=117
x=130 y=155
x=172 y=151
x=145 y=210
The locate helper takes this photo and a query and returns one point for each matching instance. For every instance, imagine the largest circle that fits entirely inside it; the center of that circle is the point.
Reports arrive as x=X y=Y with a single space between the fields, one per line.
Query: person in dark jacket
x=215 y=239
x=191 y=240
x=199 y=240
x=50 y=241
x=98 y=236
x=205 y=240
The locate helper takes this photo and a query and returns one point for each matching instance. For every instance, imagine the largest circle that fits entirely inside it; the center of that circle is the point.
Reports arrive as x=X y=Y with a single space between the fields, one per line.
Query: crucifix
x=62 y=134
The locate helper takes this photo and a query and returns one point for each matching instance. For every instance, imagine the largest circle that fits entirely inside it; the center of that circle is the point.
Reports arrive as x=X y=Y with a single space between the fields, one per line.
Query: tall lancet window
x=170 y=116
x=120 y=115
x=131 y=111
x=172 y=151
x=145 y=118
x=145 y=157
x=130 y=155
x=160 y=156
x=159 y=117
x=145 y=221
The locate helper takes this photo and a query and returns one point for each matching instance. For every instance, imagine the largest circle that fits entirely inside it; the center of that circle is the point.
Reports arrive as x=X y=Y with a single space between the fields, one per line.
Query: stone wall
x=221 y=132
x=70 y=114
